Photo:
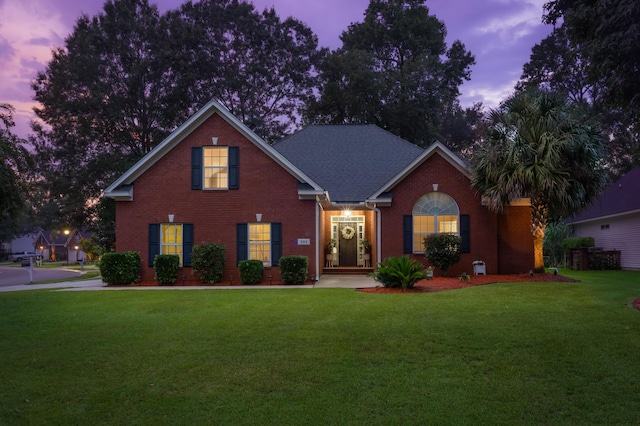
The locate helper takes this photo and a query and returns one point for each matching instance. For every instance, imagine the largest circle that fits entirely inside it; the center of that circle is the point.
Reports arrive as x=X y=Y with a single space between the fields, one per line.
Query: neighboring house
x=215 y=180
x=60 y=245
x=613 y=220
x=23 y=244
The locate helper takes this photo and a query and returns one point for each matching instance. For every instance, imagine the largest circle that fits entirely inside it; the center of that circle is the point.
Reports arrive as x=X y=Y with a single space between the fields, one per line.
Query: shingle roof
x=621 y=196
x=349 y=161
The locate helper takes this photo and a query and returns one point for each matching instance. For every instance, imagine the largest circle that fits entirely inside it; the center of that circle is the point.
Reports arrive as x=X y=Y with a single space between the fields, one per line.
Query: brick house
x=214 y=180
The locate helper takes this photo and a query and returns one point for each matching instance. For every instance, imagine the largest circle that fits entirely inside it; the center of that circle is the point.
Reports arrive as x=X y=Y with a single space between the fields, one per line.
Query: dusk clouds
x=499 y=33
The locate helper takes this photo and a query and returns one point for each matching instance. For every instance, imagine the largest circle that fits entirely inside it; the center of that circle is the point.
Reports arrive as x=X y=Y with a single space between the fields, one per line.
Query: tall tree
x=393 y=70
x=129 y=75
x=13 y=189
x=262 y=68
x=560 y=64
x=107 y=100
x=608 y=35
x=540 y=147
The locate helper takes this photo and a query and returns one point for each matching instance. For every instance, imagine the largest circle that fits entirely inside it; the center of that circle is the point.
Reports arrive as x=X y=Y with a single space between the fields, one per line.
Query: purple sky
x=500 y=33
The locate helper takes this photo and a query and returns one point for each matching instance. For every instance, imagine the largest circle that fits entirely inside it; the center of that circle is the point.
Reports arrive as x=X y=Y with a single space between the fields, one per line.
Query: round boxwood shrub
x=294 y=269
x=120 y=268
x=167 y=267
x=442 y=250
x=251 y=271
x=207 y=261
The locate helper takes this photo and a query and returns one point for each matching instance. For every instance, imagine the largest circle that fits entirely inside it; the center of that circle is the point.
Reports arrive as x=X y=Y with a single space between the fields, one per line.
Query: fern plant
x=399 y=272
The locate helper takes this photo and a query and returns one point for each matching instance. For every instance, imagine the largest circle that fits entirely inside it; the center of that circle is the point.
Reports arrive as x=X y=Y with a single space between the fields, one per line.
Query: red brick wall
x=515 y=240
x=265 y=187
x=483 y=223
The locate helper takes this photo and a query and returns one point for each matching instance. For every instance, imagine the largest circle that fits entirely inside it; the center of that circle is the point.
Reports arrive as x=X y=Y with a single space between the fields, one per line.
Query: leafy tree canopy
x=393 y=70
x=128 y=76
x=15 y=164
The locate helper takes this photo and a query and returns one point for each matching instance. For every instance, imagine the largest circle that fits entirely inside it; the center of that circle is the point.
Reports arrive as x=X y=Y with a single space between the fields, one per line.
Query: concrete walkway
x=326 y=281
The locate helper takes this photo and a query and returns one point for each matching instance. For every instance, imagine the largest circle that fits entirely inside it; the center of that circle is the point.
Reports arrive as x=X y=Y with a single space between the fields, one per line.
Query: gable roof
x=621 y=197
x=381 y=195
x=122 y=188
x=349 y=161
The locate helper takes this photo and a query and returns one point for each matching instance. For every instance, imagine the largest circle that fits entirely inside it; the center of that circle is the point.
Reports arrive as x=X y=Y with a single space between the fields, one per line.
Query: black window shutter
x=407 y=232
x=154 y=242
x=276 y=243
x=234 y=165
x=242 y=248
x=196 y=167
x=465 y=233
x=187 y=243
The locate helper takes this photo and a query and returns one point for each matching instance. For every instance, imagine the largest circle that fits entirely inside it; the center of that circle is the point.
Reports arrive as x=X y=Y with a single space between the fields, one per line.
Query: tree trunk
x=538 y=258
x=538 y=225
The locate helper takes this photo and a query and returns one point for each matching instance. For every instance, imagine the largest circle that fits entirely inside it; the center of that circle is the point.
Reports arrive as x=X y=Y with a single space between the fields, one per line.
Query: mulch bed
x=451 y=283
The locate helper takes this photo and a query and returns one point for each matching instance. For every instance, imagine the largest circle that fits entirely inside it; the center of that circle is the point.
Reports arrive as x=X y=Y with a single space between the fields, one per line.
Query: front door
x=347 y=232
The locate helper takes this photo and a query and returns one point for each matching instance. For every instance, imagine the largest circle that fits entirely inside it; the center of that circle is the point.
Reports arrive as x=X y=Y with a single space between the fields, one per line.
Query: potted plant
x=429 y=271
x=366 y=245
x=328 y=248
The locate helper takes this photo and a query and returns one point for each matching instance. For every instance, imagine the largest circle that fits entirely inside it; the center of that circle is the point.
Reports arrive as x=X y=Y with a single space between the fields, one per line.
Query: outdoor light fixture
x=347 y=213
x=171 y=216
x=270 y=278
x=435 y=187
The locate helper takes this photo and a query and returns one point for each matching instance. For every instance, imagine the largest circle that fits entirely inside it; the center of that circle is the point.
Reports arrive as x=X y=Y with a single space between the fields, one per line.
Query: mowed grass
x=526 y=353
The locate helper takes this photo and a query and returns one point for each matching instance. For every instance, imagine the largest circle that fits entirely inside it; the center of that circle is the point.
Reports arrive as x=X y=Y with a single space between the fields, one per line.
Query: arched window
x=433 y=213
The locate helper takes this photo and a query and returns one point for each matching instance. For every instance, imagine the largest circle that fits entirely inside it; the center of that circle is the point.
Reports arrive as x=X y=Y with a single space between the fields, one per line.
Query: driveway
x=10 y=276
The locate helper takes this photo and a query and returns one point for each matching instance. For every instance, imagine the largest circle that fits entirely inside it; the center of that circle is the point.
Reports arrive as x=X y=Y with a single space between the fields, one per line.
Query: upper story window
x=216 y=167
x=433 y=213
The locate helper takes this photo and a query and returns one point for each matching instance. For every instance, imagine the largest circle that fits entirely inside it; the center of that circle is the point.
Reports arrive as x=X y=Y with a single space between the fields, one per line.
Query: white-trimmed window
x=260 y=242
x=216 y=167
x=433 y=213
x=171 y=239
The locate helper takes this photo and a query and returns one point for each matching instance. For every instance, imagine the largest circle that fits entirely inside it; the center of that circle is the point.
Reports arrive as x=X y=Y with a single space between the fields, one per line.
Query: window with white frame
x=260 y=242
x=433 y=213
x=171 y=239
x=216 y=167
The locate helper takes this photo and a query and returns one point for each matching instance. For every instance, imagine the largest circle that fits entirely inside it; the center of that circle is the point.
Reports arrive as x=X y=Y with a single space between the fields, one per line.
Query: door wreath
x=348 y=232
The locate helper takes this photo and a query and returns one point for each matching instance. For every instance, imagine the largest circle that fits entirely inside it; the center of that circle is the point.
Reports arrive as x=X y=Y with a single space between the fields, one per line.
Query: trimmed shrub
x=399 y=272
x=167 y=267
x=577 y=242
x=294 y=269
x=207 y=261
x=442 y=250
x=251 y=271
x=120 y=268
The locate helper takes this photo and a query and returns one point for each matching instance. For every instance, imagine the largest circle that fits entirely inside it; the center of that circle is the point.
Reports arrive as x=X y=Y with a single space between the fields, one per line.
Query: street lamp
x=76 y=249
x=66 y=246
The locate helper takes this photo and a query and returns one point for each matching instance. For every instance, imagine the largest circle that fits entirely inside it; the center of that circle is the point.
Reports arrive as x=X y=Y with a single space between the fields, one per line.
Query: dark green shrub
x=120 y=268
x=251 y=271
x=577 y=242
x=442 y=250
x=207 y=261
x=554 y=234
x=167 y=267
x=399 y=272
x=294 y=269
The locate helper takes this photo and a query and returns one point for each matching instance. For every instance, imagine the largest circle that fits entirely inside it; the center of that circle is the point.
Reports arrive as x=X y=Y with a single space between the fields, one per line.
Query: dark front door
x=348 y=244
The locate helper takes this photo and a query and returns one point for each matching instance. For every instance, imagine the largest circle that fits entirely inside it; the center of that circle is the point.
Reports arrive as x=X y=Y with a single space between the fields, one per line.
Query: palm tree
x=542 y=148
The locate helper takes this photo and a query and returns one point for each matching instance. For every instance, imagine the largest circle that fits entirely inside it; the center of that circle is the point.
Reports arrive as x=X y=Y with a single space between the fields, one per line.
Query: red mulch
x=451 y=283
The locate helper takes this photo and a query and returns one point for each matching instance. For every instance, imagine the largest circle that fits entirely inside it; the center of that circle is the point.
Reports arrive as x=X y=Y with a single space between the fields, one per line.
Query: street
x=20 y=275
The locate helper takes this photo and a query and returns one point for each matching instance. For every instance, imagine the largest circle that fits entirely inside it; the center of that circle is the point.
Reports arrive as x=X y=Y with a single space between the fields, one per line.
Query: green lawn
x=528 y=353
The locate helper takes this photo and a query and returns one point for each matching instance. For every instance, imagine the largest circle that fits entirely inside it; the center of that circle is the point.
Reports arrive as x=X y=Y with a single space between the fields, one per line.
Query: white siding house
x=614 y=220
